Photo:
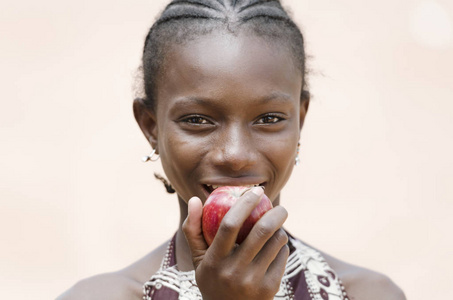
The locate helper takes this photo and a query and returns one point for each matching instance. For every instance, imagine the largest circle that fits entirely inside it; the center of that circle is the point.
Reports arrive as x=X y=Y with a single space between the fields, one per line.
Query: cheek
x=177 y=153
x=280 y=148
x=180 y=156
x=281 y=153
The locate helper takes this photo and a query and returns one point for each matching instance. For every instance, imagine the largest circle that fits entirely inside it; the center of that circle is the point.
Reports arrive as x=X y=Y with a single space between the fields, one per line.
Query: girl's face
x=228 y=112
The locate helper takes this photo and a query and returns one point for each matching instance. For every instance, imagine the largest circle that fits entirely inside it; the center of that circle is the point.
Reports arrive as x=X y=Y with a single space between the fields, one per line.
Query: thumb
x=193 y=231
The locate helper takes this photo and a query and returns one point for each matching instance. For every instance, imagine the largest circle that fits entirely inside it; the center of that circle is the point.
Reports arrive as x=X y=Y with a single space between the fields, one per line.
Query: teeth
x=217 y=186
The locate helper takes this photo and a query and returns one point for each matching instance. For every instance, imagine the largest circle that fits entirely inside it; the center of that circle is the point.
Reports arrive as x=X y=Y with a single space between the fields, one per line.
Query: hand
x=251 y=270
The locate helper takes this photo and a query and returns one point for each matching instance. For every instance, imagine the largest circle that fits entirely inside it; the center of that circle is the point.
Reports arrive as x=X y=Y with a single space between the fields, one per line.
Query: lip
x=231 y=182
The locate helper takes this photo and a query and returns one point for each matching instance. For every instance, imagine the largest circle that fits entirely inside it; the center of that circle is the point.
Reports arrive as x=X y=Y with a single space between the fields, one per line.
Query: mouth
x=209 y=188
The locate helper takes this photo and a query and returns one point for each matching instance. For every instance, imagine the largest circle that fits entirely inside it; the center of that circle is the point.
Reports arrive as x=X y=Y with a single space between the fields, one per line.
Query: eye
x=196 y=120
x=270 y=119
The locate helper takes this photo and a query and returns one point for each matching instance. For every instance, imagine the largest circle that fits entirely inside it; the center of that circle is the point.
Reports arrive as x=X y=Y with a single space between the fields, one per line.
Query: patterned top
x=307 y=277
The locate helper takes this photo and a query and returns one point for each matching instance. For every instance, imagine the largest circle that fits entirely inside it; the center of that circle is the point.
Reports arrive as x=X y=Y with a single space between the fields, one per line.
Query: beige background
x=374 y=187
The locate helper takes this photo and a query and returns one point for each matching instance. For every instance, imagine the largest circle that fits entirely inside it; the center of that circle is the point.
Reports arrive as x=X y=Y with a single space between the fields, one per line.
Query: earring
x=297 y=160
x=153 y=156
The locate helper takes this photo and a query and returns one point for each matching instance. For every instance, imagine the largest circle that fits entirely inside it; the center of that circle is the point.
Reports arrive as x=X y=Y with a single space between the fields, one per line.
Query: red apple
x=219 y=203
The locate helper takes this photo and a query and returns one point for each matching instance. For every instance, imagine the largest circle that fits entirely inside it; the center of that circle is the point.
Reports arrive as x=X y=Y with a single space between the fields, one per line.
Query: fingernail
x=257 y=191
x=188 y=207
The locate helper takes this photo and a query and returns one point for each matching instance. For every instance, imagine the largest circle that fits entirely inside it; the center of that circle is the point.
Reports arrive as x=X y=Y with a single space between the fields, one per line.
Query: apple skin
x=219 y=203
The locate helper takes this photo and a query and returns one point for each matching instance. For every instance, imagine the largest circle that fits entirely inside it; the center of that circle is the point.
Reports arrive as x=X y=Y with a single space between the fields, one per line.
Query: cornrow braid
x=181 y=9
x=184 y=20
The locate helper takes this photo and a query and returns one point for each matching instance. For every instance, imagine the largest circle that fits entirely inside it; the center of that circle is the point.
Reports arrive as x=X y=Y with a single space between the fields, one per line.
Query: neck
x=183 y=254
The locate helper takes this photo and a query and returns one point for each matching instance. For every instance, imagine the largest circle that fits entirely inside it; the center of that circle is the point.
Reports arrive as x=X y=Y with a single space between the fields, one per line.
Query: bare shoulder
x=126 y=283
x=361 y=283
x=104 y=286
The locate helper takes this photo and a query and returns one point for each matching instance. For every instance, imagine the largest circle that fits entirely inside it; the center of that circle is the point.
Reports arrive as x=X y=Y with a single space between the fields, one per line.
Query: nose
x=235 y=149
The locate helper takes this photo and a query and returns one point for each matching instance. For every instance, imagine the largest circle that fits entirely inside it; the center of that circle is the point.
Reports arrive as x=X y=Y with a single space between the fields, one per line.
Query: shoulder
x=104 y=286
x=123 y=284
x=366 y=284
x=361 y=283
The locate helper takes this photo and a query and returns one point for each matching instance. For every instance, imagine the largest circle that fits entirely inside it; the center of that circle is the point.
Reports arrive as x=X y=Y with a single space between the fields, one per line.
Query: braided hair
x=184 y=20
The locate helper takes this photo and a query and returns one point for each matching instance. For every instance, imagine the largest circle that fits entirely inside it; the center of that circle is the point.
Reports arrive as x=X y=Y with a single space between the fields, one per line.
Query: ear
x=304 y=103
x=146 y=119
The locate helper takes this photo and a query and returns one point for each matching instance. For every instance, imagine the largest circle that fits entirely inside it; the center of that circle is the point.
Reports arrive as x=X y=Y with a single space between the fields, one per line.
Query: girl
x=226 y=99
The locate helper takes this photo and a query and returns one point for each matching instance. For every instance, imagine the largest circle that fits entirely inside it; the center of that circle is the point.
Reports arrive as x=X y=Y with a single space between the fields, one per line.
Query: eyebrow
x=274 y=96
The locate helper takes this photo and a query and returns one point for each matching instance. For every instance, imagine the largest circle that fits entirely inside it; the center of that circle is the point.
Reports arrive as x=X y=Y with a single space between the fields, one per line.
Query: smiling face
x=228 y=112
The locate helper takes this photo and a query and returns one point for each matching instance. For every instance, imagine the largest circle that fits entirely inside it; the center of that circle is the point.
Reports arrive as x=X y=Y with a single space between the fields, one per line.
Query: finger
x=193 y=232
x=270 y=251
x=277 y=268
x=225 y=239
x=262 y=232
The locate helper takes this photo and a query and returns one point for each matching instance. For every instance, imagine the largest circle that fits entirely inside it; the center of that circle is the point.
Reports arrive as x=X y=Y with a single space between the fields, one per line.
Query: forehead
x=224 y=65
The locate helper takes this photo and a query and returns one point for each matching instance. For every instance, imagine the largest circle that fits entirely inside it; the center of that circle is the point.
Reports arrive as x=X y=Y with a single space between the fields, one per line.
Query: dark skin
x=228 y=112
x=212 y=129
